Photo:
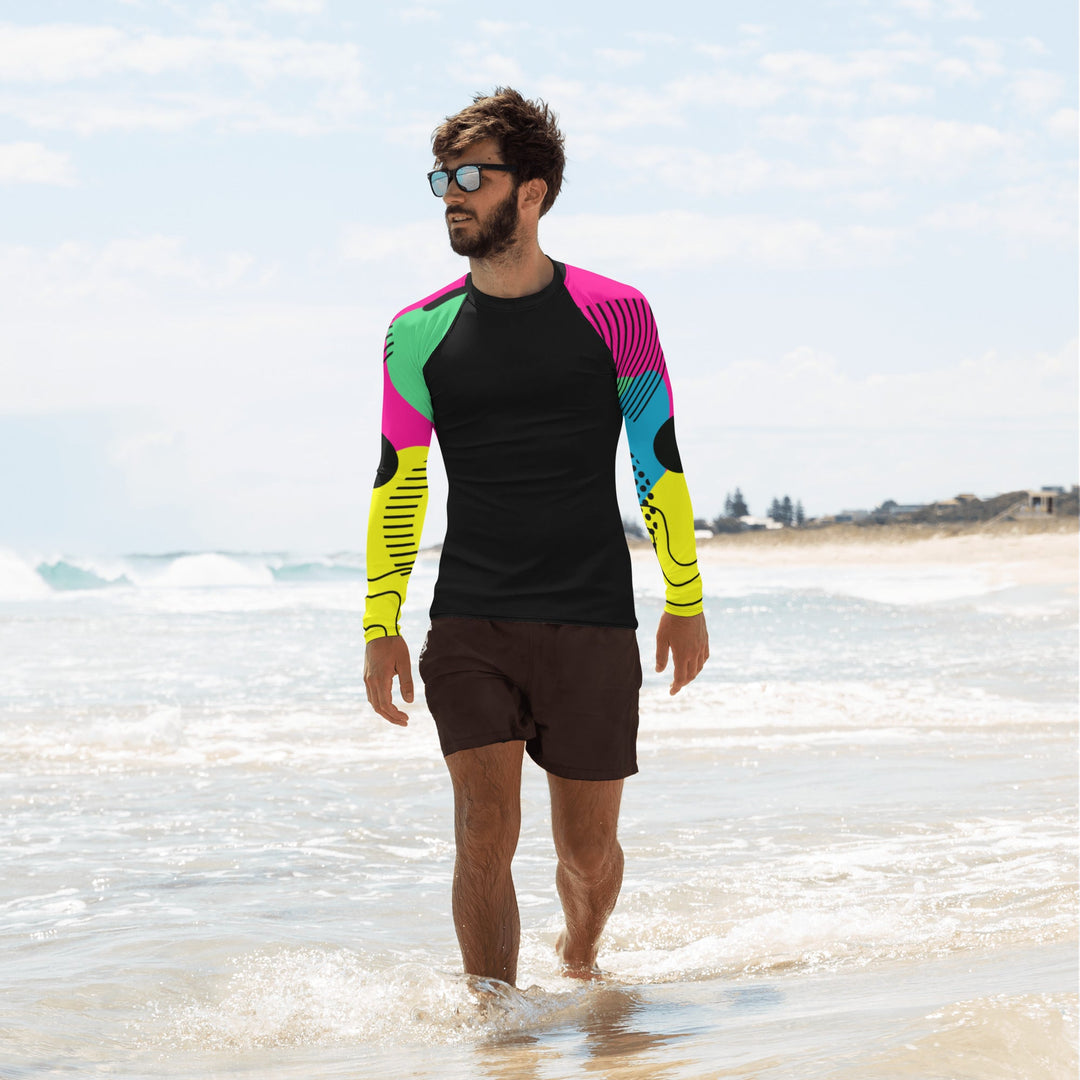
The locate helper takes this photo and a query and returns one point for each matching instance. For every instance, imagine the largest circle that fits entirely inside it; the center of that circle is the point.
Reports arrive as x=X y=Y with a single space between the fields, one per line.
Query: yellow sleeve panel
x=669 y=517
x=393 y=540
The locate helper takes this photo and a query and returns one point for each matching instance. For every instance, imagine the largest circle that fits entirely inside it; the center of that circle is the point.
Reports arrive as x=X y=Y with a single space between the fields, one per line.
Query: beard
x=491 y=237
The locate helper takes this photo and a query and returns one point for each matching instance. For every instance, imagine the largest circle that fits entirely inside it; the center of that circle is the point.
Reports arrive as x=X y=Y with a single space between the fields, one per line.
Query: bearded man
x=527 y=369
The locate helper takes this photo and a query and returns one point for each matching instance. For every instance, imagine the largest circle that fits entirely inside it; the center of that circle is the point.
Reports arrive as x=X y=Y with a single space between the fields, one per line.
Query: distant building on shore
x=1042 y=502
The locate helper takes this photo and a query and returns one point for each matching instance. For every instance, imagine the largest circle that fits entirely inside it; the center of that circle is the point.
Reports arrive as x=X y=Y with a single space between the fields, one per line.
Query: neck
x=521 y=270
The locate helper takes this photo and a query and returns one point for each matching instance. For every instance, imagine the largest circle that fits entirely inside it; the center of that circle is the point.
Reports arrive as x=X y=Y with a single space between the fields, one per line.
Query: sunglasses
x=467 y=177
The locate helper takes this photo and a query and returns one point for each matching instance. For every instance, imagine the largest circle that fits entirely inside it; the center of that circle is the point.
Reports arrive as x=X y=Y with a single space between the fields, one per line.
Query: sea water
x=850 y=850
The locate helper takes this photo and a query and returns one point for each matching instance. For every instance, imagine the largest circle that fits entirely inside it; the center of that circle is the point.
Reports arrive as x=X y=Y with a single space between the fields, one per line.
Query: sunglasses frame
x=452 y=174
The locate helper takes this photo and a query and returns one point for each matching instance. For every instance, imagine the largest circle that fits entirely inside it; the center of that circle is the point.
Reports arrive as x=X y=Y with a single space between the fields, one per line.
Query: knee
x=486 y=830
x=591 y=858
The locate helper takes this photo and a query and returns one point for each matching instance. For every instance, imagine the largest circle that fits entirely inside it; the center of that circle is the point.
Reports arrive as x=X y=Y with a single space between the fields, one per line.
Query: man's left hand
x=687 y=639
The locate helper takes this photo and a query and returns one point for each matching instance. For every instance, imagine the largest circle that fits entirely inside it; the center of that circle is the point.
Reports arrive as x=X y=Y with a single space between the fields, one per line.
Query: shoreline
x=1020 y=553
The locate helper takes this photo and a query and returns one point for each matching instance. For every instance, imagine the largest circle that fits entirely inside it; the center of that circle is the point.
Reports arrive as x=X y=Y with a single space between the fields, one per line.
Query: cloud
x=32 y=163
x=620 y=58
x=1064 y=124
x=674 y=239
x=1043 y=212
x=810 y=388
x=478 y=66
x=148 y=81
x=945 y=9
x=920 y=146
x=296 y=7
x=67 y=53
x=1036 y=91
x=826 y=70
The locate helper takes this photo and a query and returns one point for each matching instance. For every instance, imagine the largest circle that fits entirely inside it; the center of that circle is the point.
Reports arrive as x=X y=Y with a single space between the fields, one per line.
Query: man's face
x=481 y=223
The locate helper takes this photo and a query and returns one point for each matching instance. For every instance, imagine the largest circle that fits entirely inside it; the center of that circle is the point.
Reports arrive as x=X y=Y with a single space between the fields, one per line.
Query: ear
x=531 y=194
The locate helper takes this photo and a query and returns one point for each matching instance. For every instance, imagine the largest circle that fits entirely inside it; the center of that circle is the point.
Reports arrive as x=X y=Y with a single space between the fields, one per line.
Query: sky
x=855 y=220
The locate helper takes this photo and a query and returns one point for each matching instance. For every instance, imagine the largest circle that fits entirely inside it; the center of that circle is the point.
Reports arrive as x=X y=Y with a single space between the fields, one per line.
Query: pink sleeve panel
x=621 y=315
x=402 y=425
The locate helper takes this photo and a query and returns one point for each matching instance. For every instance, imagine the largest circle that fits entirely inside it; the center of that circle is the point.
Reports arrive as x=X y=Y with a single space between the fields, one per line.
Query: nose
x=454 y=193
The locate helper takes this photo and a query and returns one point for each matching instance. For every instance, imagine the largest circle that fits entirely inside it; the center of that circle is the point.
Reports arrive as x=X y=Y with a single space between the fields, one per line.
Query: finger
x=380 y=694
x=406 y=683
x=661 y=653
x=684 y=673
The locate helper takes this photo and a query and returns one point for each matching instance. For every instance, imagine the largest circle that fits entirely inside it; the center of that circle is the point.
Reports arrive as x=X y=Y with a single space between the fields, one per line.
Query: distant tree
x=787 y=511
x=729 y=505
x=776 y=511
x=738 y=505
x=701 y=523
x=727 y=524
x=800 y=516
x=633 y=529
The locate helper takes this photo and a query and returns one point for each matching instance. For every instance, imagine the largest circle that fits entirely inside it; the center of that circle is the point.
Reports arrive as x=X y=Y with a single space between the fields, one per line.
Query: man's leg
x=584 y=821
x=487 y=819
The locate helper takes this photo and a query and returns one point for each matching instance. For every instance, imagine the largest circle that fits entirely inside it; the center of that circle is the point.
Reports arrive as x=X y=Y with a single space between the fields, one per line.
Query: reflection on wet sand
x=610 y=1035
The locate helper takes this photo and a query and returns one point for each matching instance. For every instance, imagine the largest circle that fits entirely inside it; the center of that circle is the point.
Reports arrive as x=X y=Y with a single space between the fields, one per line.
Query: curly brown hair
x=526 y=131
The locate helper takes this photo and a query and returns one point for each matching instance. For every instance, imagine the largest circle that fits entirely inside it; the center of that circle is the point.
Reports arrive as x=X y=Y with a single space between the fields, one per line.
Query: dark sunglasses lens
x=468 y=177
x=440 y=181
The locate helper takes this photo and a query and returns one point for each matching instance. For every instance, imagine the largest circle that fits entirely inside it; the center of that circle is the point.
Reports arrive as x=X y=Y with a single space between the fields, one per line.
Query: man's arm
x=646 y=401
x=395 y=523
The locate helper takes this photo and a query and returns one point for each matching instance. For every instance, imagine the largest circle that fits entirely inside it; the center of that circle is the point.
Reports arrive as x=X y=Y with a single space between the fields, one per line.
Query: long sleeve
x=646 y=401
x=399 y=500
x=623 y=319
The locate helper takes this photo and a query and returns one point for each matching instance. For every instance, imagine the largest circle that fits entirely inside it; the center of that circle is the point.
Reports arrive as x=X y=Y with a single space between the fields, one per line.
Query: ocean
x=851 y=850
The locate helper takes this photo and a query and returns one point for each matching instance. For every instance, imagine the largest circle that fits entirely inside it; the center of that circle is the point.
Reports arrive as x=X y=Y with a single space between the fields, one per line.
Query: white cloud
x=126 y=270
x=809 y=388
x=1026 y=214
x=479 y=67
x=418 y=14
x=923 y=9
x=501 y=28
x=296 y=7
x=66 y=53
x=1035 y=90
x=838 y=437
x=961 y=9
x=1035 y=46
x=921 y=146
x=826 y=70
x=946 y=9
x=682 y=240
x=620 y=58
x=895 y=93
x=92 y=113
x=988 y=55
x=32 y=163
x=1064 y=124
x=954 y=68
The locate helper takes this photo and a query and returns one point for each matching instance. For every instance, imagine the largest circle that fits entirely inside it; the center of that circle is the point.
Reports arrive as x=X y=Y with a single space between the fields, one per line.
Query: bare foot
x=575 y=968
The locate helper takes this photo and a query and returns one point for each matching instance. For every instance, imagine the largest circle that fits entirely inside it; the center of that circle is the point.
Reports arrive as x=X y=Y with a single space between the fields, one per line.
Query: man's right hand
x=383 y=659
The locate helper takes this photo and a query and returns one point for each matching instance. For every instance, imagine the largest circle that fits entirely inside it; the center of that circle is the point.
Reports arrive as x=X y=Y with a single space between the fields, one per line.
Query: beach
x=850 y=848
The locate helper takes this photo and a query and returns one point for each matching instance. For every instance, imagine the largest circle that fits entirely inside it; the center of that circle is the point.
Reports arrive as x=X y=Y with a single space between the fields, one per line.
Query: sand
x=1016 y=553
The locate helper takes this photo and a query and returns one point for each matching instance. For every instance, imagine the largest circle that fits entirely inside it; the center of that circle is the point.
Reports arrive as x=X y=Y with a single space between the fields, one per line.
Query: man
x=526 y=369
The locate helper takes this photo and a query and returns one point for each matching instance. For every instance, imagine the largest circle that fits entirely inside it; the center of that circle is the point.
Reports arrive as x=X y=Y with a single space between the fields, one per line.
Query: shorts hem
x=474 y=742
x=571 y=772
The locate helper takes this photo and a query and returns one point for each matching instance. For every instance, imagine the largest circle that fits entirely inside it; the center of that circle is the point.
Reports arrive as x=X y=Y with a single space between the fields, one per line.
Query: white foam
x=326 y=997
x=209 y=570
x=19 y=580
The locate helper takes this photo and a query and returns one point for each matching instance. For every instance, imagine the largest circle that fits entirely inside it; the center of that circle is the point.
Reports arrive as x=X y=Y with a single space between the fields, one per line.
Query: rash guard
x=527 y=396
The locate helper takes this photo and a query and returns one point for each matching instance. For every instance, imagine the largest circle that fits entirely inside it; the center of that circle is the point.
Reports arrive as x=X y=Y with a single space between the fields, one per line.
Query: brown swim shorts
x=571 y=692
